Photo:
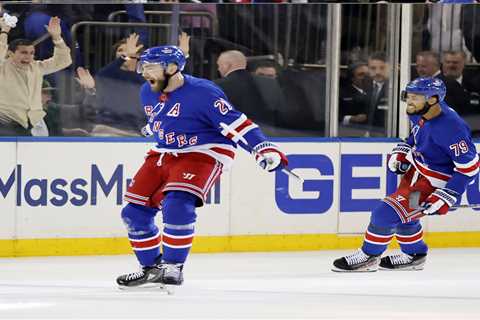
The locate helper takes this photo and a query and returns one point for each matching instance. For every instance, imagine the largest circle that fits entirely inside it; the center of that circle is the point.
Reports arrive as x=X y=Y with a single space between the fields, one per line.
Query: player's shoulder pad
x=449 y=127
x=205 y=86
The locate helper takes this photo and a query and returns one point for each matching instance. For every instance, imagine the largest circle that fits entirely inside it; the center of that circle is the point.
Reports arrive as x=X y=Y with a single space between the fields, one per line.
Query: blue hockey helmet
x=163 y=55
x=427 y=87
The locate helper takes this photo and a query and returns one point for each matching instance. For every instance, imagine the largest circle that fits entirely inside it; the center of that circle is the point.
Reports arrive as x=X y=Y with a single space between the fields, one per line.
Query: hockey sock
x=381 y=230
x=410 y=237
x=377 y=239
x=143 y=234
x=179 y=221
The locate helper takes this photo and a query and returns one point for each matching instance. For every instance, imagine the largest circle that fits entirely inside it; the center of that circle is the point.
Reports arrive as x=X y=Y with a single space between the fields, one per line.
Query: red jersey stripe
x=406 y=239
x=431 y=173
x=469 y=169
x=243 y=125
x=374 y=238
x=223 y=151
x=177 y=242
x=145 y=244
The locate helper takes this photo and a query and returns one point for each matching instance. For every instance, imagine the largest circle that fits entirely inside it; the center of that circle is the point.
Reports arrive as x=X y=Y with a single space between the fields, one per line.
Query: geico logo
x=81 y=191
x=356 y=183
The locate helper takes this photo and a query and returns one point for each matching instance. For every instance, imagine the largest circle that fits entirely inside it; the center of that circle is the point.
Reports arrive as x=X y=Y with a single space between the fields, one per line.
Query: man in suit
x=428 y=65
x=453 y=67
x=260 y=97
x=353 y=106
x=378 y=93
x=239 y=86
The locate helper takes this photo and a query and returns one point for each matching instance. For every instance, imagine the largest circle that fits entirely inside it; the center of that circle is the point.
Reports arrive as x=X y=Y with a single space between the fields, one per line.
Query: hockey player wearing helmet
x=197 y=131
x=437 y=162
x=162 y=67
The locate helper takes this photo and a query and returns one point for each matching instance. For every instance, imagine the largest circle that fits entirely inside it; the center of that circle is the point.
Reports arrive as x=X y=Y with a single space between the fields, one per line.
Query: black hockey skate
x=171 y=274
x=356 y=262
x=146 y=277
x=403 y=261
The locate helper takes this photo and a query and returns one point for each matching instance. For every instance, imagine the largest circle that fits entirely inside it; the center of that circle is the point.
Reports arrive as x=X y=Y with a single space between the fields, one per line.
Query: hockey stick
x=244 y=141
x=460 y=206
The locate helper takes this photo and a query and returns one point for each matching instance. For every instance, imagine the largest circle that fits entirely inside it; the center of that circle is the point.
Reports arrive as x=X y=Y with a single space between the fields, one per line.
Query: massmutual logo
x=99 y=186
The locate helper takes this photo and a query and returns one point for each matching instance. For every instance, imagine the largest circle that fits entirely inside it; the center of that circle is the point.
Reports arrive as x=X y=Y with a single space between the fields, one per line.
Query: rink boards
x=64 y=197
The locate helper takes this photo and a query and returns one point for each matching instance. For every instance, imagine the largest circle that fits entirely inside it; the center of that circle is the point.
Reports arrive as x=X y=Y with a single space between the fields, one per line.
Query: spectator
x=21 y=77
x=116 y=87
x=266 y=69
x=453 y=67
x=428 y=65
x=52 y=110
x=240 y=87
x=378 y=95
x=353 y=106
x=53 y=117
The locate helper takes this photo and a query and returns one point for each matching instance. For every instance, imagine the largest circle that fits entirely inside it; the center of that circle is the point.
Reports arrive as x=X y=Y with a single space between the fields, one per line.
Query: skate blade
x=150 y=287
x=354 y=271
x=413 y=268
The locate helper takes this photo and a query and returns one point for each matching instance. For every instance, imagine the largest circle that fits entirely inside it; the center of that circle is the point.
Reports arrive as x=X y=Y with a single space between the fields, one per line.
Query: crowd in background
x=275 y=77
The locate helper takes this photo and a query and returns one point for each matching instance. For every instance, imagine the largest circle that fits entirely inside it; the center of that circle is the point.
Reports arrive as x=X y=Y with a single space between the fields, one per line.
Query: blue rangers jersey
x=189 y=120
x=443 y=151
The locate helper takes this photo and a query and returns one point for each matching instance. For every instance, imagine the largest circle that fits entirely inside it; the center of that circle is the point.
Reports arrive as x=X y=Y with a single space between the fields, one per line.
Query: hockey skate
x=147 y=277
x=171 y=274
x=403 y=261
x=356 y=262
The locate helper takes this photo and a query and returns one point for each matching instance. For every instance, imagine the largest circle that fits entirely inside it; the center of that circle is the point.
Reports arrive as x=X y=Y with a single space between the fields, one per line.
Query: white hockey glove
x=40 y=129
x=440 y=201
x=398 y=162
x=269 y=157
x=146 y=131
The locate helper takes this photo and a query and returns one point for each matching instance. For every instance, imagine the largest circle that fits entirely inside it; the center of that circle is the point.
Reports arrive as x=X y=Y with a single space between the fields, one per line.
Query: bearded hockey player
x=437 y=161
x=196 y=131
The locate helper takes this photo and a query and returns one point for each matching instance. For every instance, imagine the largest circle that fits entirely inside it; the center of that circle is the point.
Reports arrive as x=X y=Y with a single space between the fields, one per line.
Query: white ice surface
x=232 y=286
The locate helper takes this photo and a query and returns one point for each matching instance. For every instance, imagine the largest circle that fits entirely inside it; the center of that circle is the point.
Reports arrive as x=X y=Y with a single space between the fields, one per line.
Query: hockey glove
x=269 y=157
x=146 y=131
x=398 y=162
x=440 y=201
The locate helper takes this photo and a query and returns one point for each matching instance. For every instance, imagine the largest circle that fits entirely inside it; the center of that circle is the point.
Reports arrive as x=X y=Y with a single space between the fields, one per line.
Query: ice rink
x=232 y=286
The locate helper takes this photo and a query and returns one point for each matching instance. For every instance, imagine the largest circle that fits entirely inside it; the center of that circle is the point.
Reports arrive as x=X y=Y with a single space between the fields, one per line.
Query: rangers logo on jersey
x=148 y=110
x=174 y=111
x=156 y=126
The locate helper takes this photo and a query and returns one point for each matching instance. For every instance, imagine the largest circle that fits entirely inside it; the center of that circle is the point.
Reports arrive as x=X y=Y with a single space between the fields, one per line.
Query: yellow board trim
x=212 y=244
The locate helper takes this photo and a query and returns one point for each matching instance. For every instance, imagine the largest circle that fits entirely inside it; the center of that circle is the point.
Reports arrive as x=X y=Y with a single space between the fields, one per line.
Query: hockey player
x=196 y=131
x=437 y=161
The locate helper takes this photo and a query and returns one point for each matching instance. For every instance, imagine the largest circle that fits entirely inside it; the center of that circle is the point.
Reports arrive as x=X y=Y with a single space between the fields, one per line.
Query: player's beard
x=414 y=109
x=157 y=85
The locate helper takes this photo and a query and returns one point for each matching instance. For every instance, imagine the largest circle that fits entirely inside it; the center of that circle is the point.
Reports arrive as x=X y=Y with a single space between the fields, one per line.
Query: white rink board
x=248 y=200
x=7 y=202
x=73 y=161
